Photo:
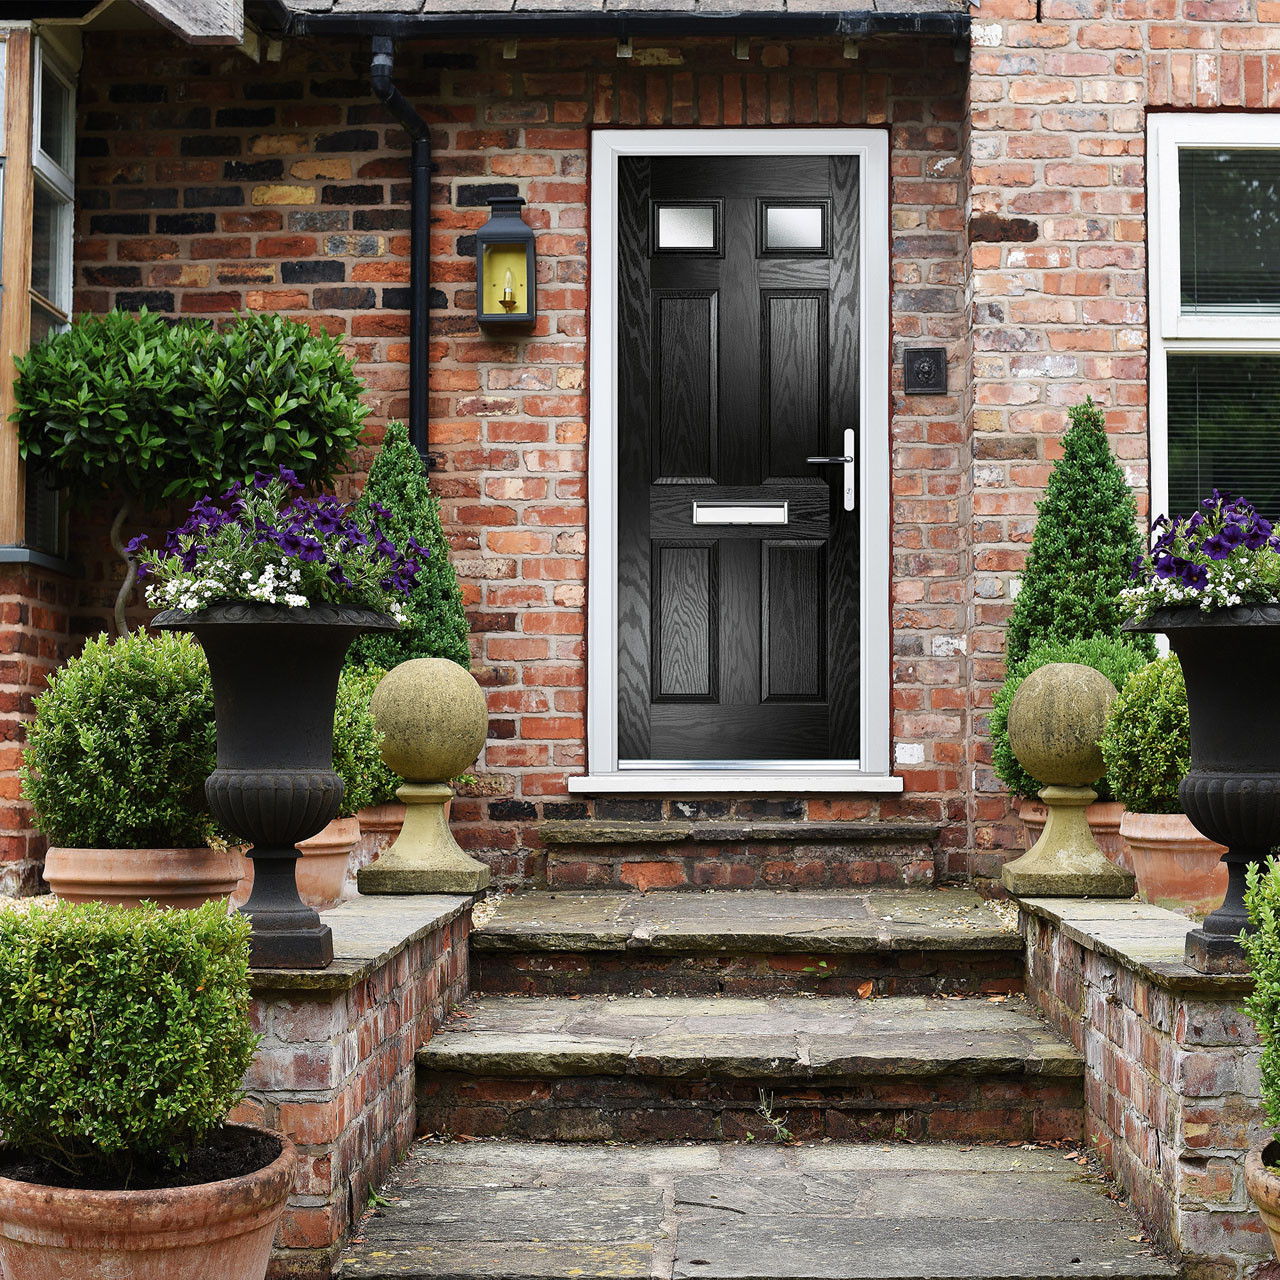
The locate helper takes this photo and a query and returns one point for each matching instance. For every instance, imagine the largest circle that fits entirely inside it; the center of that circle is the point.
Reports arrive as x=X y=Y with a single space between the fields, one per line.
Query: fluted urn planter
x=1230 y=660
x=275 y=680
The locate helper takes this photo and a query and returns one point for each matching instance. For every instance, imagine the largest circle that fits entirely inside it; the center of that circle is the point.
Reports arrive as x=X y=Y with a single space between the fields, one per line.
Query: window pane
x=43 y=323
x=1224 y=430
x=46 y=244
x=687 y=226
x=793 y=227
x=1230 y=230
x=55 y=119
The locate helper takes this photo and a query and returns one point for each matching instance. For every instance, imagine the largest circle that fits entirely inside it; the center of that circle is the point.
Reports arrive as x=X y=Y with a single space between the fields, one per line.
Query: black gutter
x=419 y=235
x=616 y=23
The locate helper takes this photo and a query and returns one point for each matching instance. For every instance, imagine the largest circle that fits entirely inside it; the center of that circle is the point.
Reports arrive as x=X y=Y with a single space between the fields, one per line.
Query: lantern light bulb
x=509 y=292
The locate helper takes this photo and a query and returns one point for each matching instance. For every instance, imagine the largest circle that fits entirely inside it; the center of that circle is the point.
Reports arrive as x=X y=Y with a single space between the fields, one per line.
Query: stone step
x=503 y=1211
x=747 y=942
x=634 y=1068
x=705 y=854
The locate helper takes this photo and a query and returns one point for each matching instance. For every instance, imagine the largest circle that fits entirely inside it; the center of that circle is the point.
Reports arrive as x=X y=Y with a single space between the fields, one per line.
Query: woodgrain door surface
x=738 y=360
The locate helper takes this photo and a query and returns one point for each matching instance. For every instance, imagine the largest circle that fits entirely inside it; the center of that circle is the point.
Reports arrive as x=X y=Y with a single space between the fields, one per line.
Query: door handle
x=848 y=460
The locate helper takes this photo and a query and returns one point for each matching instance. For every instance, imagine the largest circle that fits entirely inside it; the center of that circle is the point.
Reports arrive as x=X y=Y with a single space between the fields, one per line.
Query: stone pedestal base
x=426 y=858
x=1066 y=861
x=1214 y=953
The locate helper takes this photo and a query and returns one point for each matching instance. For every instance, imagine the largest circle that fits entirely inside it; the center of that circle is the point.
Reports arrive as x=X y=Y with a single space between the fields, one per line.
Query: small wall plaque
x=924 y=371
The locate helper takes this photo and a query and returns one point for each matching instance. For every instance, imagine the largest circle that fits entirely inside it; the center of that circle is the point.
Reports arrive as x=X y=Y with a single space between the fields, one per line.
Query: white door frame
x=871 y=771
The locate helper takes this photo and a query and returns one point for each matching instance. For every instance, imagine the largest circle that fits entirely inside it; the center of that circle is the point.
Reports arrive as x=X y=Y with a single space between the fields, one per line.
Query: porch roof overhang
x=948 y=19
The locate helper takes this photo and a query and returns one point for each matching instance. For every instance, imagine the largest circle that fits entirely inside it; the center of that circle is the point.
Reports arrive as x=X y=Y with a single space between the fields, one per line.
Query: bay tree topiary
x=141 y=410
x=124 y=1037
x=1147 y=745
x=122 y=742
x=1086 y=539
x=1115 y=658
x=400 y=498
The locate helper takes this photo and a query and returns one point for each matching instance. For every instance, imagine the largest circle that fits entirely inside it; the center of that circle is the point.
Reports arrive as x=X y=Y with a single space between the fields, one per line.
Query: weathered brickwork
x=209 y=183
x=1172 y=1093
x=335 y=1072
x=35 y=609
x=1058 y=96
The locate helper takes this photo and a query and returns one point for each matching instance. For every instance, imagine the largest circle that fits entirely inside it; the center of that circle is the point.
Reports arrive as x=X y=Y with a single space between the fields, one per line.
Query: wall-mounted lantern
x=506 y=269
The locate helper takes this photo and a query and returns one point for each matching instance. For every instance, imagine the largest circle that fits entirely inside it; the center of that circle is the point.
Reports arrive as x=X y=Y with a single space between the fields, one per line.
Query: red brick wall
x=35 y=609
x=1059 y=93
x=210 y=183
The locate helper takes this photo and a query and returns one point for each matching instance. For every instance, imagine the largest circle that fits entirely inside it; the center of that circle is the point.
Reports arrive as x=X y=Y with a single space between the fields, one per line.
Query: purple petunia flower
x=134 y=545
x=311 y=551
x=1196 y=576
x=1217 y=547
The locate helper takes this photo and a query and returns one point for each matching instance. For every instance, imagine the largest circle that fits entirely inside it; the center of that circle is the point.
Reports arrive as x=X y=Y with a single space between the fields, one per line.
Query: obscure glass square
x=686 y=226
x=1229 y=213
x=1224 y=430
x=794 y=226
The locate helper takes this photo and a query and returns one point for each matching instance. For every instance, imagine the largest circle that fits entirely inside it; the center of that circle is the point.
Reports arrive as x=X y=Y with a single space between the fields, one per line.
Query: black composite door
x=738 y=610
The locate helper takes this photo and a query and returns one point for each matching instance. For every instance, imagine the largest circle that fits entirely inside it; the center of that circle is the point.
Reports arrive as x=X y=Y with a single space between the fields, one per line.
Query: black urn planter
x=275 y=681
x=1231 y=663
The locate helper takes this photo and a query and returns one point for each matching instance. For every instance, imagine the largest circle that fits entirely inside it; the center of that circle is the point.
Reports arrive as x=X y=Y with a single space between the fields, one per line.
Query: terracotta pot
x=171 y=877
x=1104 y=821
x=223 y=1229
x=1263 y=1187
x=321 y=871
x=379 y=826
x=1176 y=866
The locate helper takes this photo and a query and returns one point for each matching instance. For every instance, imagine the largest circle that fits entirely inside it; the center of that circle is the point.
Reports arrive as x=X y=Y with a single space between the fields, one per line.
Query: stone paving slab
x=1145 y=938
x=749 y=920
x=782 y=1038
x=503 y=1211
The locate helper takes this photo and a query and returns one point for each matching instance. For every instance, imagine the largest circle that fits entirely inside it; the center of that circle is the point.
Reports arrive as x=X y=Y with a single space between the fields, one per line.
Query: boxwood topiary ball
x=433 y=719
x=1056 y=722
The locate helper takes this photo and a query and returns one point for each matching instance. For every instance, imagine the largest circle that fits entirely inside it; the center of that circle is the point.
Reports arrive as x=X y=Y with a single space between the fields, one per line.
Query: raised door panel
x=794 y=377
x=685 y=630
x=686 y=358
x=793 y=595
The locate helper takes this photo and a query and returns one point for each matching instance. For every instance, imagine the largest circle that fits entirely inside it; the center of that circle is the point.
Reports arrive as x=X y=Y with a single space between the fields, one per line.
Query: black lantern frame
x=506 y=267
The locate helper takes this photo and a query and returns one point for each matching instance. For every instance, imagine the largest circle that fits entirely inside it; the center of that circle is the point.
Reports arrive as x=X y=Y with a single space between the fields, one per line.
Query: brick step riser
x=782 y=865
x=633 y=972
x=644 y=1109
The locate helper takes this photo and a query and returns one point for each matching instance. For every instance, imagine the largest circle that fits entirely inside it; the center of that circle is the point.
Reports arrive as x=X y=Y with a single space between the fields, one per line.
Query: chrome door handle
x=848 y=460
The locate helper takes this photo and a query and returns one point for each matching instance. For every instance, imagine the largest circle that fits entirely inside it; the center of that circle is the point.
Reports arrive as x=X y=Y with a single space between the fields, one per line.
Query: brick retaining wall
x=335 y=1068
x=1172 y=1091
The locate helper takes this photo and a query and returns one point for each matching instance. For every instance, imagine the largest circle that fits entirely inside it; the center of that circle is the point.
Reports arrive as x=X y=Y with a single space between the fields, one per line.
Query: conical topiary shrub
x=437 y=625
x=1082 y=552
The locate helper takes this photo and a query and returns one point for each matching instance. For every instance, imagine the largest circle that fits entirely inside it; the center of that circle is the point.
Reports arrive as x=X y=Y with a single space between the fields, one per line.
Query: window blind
x=1224 y=430
x=1229 y=214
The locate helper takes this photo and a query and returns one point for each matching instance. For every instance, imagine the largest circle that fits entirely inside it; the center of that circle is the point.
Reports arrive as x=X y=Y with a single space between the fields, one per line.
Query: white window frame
x=57 y=181
x=1171 y=331
x=871 y=771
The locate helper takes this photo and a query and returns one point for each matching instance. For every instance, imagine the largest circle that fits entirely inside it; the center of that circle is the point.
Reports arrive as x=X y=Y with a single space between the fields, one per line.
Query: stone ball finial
x=1056 y=721
x=433 y=719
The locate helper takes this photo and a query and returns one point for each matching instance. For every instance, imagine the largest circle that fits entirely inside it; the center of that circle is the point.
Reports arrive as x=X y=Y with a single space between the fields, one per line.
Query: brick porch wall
x=35 y=612
x=209 y=183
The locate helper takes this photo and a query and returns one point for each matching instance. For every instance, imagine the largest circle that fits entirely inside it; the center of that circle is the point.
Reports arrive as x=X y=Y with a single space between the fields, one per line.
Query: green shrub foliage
x=437 y=625
x=1116 y=659
x=356 y=741
x=136 y=406
x=121 y=745
x=1086 y=539
x=124 y=1033
x=1262 y=951
x=1147 y=745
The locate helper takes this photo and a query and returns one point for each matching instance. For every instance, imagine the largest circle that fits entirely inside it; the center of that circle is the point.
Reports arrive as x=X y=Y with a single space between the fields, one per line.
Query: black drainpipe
x=419 y=235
